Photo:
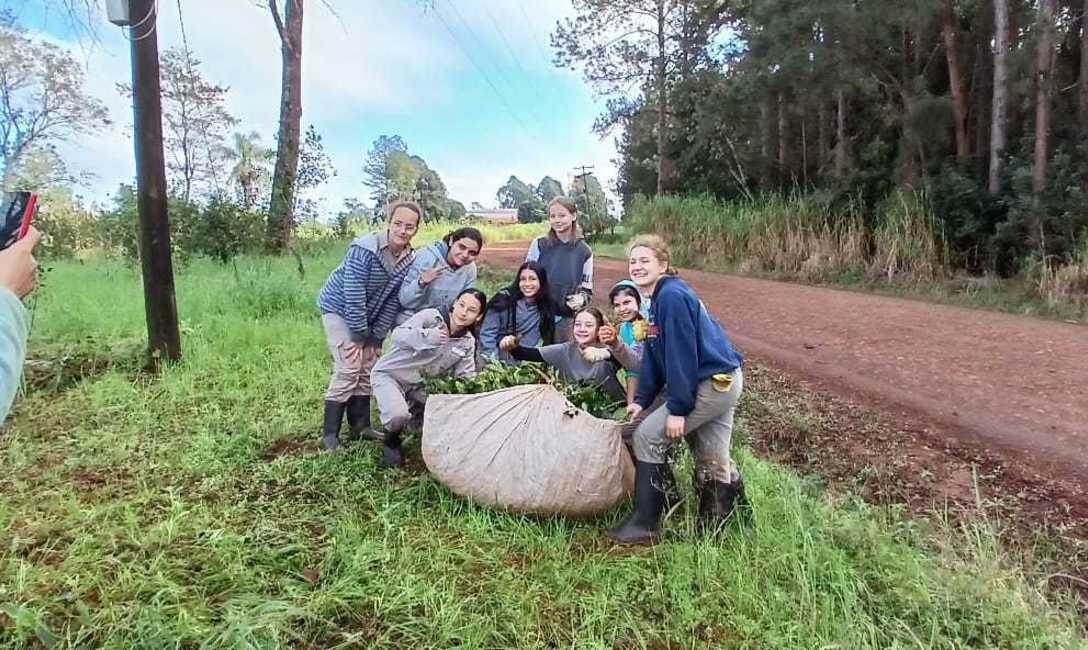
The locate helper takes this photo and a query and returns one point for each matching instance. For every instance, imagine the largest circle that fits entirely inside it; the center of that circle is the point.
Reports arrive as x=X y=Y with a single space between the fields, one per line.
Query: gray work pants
x=708 y=430
x=396 y=403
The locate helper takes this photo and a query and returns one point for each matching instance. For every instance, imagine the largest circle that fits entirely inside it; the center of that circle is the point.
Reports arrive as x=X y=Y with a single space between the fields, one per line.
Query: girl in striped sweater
x=359 y=307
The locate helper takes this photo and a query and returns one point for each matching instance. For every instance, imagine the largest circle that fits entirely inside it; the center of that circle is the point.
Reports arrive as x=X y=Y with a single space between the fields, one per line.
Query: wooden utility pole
x=163 y=337
x=586 y=171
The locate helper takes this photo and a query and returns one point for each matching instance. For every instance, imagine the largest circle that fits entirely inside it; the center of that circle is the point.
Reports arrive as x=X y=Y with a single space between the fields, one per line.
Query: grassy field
x=193 y=510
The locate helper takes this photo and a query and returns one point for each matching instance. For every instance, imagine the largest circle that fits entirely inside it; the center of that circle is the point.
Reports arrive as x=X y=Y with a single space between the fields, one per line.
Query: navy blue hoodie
x=684 y=346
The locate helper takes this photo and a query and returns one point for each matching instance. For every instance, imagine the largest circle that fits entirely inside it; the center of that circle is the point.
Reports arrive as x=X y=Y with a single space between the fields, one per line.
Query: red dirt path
x=1010 y=386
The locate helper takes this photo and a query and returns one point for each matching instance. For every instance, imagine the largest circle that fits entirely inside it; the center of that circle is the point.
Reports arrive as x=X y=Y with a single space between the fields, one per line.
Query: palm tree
x=250 y=159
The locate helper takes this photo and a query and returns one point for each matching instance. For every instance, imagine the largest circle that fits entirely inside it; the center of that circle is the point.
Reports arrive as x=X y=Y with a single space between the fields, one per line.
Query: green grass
x=192 y=510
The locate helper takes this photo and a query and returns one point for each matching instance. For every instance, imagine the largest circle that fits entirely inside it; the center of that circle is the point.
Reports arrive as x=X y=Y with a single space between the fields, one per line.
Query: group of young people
x=663 y=354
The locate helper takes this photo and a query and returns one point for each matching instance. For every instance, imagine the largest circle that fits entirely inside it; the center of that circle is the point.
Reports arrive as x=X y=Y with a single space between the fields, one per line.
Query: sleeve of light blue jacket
x=490 y=332
x=411 y=294
x=13 y=334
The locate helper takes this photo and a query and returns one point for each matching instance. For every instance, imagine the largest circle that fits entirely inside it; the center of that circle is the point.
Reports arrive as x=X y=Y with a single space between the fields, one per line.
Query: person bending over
x=690 y=359
x=358 y=308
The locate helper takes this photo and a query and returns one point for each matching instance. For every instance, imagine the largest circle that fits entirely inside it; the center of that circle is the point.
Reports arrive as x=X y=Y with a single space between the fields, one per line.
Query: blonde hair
x=658 y=246
x=570 y=206
x=403 y=203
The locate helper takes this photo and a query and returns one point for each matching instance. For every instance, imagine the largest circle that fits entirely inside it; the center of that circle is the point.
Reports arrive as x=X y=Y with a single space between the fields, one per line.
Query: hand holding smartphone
x=18 y=268
x=17 y=211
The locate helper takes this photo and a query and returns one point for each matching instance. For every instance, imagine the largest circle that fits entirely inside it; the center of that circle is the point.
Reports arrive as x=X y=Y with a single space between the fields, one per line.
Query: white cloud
x=367 y=69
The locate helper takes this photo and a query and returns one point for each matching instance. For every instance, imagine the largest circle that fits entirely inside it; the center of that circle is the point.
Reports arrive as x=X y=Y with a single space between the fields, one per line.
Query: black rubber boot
x=668 y=485
x=718 y=500
x=668 y=480
x=642 y=526
x=416 y=409
x=330 y=431
x=392 y=456
x=359 y=419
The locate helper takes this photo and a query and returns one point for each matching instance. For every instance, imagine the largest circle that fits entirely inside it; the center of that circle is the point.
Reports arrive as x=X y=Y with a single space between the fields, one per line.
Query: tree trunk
x=998 y=121
x=804 y=148
x=982 y=78
x=160 y=304
x=782 y=138
x=11 y=163
x=955 y=81
x=822 y=135
x=280 y=218
x=1082 y=106
x=659 y=83
x=1044 y=91
x=765 y=135
x=841 y=153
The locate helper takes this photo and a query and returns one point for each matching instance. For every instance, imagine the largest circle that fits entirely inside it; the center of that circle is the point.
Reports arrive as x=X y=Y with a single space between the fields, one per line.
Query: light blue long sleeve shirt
x=14 y=329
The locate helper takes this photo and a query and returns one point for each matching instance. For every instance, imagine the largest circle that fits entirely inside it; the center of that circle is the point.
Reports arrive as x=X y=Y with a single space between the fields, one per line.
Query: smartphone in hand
x=17 y=211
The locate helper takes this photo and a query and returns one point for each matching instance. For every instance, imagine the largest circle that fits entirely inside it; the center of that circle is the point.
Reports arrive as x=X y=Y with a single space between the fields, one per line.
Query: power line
x=483 y=73
x=587 y=171
x=517 y=63
x=505 y=42
x=152 y=10
x=529 y=24
x=476 y=38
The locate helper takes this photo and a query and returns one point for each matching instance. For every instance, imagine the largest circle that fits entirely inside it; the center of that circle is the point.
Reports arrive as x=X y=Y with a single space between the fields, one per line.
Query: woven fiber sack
x=526 y=449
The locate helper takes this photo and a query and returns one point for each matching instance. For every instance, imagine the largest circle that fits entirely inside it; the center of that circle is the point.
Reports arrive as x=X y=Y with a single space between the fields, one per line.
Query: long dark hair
x=480 y=297
x=507 y=299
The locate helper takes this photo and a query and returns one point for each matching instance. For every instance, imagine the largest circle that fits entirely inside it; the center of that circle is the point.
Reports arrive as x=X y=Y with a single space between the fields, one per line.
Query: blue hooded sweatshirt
x=684 y=347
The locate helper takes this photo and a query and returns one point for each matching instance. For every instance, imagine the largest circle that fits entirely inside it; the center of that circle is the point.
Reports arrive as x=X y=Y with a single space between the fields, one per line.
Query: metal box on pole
x=119 y=12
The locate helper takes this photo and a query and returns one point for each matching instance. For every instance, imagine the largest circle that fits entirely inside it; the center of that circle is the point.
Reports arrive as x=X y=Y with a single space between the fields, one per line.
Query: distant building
x=497 y=215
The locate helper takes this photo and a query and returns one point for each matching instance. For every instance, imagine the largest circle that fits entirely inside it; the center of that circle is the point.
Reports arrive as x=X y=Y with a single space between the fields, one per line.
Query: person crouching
x=432 y=342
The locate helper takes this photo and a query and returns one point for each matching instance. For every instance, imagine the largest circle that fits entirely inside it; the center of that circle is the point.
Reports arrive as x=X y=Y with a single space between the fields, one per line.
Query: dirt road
x=1008 y=385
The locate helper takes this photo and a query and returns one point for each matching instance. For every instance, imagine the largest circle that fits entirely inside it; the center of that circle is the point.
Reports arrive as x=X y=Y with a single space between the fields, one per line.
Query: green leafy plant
x=496 y=376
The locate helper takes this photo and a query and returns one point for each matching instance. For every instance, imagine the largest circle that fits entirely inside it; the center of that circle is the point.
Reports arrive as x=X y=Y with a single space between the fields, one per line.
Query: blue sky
x=469 y=84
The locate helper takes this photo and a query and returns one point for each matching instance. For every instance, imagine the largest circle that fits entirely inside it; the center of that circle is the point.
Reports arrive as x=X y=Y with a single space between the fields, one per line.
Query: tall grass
x=193 y=510
x=908 y=240
x=799 y=235
x=1065 y=284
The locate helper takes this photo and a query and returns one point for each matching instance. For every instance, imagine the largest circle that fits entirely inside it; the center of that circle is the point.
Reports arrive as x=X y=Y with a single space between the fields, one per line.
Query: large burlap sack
x=526 y=449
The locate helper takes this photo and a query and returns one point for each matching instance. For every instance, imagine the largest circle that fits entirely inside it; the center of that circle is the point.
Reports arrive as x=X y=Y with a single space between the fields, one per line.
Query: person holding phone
x=18 y=278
